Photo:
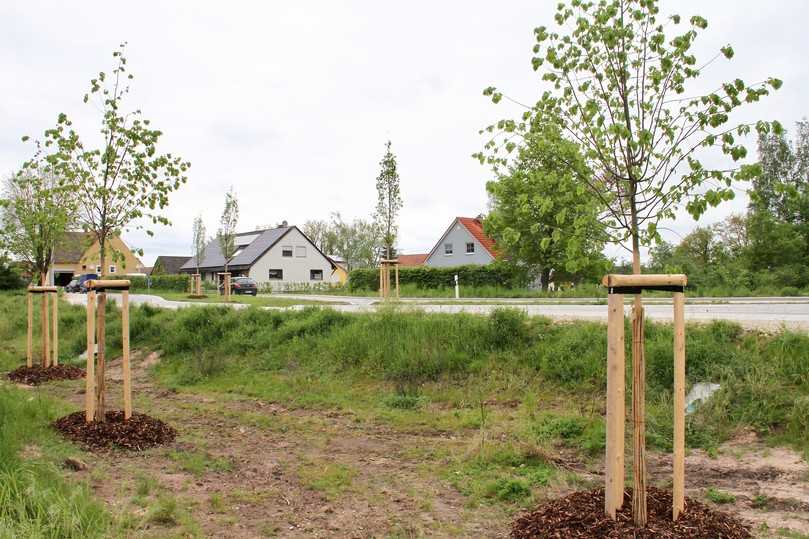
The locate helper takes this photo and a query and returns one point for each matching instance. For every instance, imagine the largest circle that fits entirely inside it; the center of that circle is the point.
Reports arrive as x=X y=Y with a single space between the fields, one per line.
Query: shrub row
x=427 y=277
x=172 y=283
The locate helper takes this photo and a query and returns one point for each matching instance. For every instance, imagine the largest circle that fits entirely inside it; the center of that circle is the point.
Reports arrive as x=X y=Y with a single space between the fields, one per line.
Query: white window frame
x=312 y=273
x=449 y=250
x=287 y=248
x=98 y=270
x=472 y=243
x=112 y=268
x=281 y=278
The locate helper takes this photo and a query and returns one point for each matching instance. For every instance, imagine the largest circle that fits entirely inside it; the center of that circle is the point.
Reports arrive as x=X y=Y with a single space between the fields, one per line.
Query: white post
x=457 y=290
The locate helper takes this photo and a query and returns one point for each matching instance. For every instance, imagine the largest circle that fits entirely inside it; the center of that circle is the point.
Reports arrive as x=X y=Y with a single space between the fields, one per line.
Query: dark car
x=241 y=285
x=78 y=284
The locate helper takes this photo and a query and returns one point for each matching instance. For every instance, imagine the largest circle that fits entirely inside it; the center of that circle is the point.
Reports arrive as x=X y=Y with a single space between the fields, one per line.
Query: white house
x=464 y=242
x=280 y=257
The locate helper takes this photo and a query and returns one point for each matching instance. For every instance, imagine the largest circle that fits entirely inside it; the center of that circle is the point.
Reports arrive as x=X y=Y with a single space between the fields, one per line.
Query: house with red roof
x=464 y=242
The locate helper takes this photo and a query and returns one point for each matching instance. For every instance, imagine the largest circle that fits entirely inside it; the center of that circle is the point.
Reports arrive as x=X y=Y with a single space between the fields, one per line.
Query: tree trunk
x=100 y=336
x=545 y=277
x=100 y=352
x=638 y=395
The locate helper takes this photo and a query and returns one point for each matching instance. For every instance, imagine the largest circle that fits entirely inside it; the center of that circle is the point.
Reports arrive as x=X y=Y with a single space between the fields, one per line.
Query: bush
x=508 y=327
x=169 y=283
x=427 y=277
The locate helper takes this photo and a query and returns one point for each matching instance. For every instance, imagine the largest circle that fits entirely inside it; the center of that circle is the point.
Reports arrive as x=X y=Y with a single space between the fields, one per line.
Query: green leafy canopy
x=616 y=82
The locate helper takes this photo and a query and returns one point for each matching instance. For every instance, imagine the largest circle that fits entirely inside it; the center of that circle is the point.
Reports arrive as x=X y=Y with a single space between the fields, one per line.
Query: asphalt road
x=752 y=313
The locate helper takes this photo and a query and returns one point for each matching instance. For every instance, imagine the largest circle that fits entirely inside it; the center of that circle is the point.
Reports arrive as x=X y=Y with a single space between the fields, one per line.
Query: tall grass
x=34 y=499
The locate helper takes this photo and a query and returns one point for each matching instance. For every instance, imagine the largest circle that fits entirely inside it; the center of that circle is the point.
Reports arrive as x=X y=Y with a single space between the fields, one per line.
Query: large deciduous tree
x=389 y=200
x=540 y=215
x=619 y=81
x=124 y=182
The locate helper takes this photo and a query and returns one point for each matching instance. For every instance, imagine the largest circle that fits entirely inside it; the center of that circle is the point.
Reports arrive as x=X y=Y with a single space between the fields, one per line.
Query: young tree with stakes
x=618 y=77
x=124 y=182
x=389 y=200
x=226 y=235
x=200 y=242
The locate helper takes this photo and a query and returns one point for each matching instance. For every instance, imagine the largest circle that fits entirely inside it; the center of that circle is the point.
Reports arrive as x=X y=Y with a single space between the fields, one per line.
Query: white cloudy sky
x=291 y=103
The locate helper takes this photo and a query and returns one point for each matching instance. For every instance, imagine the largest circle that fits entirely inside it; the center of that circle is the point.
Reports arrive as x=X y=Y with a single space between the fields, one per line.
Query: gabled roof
x=406 y=261
x=475 y=228
x=169 y=265
x=252 y=246
x=71 y=247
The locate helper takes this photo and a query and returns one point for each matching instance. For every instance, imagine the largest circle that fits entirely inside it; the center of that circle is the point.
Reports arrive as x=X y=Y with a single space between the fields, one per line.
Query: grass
x=719 y=497
x=35 y=501
x=258 y=301
x=520 y=388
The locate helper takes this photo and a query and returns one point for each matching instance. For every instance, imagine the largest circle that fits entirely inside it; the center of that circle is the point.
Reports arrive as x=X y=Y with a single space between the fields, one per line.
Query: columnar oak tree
x=226 y=235
x=619 y=79
x=389 y=200
x=199 y=244
x=122 y=183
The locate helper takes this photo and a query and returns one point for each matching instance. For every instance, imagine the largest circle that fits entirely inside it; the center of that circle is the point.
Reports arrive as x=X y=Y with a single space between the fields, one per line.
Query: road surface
x=751 y=313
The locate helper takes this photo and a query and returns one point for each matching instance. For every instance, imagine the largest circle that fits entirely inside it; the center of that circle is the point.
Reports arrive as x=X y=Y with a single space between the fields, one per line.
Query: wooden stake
x=678 y=502
x=614 y=484
x=639 y=417
x=45 y=330
x=125 y=360
x=100 y=367
x=397 y=281
x=55 y=323
x=29 y=355
x=89 y=388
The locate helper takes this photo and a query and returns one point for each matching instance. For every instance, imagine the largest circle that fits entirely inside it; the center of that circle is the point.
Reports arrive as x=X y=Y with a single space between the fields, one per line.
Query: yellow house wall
x=91 y=259
x=341 y=274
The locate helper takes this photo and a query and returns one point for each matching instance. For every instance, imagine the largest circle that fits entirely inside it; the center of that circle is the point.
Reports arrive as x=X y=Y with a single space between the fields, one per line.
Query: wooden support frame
x=96 y=345
x=385 y=266
x=619 y=285
x=49 y=326
x=225 y=285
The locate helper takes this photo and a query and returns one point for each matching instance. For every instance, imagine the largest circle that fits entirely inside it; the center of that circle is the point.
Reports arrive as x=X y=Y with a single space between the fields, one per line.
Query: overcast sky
x=291 y=103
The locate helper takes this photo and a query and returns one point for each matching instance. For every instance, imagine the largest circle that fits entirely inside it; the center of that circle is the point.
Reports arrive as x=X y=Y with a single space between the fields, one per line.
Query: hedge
x=171 y=283
x=496 y=274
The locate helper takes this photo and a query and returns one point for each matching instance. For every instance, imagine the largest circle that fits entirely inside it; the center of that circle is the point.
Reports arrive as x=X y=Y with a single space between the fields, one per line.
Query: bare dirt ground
x=245 y=468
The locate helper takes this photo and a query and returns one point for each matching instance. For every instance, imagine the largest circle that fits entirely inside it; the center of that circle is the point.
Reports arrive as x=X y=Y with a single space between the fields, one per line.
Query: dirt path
x=243 y=468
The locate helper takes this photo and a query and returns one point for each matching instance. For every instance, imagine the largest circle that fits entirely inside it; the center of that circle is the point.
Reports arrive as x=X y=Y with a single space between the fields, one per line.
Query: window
x=300 y=251
x=112 y=268
x=315 y=275
x=98 y=269
x=276 y=275
x=286 y=251
x=447 y=248
x=470 y=247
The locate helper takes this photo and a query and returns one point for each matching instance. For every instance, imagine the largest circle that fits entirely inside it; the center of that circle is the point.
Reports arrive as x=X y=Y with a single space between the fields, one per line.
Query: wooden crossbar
x=650 y=280
x=42 y=289
x=108 y=284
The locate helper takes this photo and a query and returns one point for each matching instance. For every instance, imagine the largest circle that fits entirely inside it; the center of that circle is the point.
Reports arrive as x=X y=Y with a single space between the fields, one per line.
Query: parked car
x=78 y=284
x=241 y=285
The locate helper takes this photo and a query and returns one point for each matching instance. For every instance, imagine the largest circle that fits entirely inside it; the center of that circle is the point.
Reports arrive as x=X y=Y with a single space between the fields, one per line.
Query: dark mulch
x=581 y=514
x=36 y=375
x=136 y=433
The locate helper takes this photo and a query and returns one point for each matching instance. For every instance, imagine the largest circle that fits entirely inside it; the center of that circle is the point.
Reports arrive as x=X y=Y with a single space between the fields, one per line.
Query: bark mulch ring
x=137 y=433
x=581 y=514
x=36 y=375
